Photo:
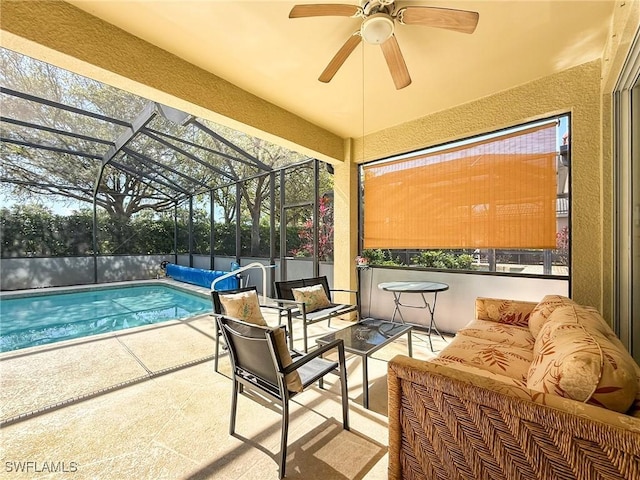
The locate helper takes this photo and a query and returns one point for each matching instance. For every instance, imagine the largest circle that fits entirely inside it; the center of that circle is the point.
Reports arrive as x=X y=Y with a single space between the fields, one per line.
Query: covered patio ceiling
x=255 y=46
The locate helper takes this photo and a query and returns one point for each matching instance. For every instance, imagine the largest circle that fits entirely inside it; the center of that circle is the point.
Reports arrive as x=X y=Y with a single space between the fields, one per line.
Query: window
x=498 y=203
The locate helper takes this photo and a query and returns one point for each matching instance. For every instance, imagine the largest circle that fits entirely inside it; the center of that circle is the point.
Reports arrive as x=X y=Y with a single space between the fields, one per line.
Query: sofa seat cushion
x=575 y=359
x=504 y=334
x=489 y=355
x=541 y=312
x=511 y=385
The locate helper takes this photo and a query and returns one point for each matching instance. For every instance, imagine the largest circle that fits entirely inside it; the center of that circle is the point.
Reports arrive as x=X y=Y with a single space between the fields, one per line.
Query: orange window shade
x=496 y=193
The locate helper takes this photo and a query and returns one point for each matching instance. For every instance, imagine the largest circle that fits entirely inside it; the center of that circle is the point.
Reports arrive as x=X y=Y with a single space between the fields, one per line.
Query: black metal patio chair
x=285 y=296
x=219 y=309
x=262 y=361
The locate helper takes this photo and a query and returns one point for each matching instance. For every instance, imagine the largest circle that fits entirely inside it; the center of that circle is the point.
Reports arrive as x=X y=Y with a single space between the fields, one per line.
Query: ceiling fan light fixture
x=377 y=28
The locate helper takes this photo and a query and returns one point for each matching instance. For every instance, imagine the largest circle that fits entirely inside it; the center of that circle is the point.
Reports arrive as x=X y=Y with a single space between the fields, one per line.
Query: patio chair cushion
x=243 y=306
x=294 y=382
x=313 y=297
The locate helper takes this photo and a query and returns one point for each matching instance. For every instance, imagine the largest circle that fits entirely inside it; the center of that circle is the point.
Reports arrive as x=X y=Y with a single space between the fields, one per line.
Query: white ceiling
x=254 y=45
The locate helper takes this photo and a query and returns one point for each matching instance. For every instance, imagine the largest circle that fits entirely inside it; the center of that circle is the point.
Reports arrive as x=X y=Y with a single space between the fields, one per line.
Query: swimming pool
x=49 y=318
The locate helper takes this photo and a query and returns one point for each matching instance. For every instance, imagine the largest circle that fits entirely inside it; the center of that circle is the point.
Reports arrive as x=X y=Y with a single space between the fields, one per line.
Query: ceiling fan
x=378 y=25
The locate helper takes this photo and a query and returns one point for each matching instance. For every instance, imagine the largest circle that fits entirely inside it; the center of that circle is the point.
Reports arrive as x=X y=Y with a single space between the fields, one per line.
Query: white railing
x=242 y=269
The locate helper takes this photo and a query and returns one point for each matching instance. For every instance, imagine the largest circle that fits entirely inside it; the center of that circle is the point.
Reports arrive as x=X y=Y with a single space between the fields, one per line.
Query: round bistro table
x=421 y=288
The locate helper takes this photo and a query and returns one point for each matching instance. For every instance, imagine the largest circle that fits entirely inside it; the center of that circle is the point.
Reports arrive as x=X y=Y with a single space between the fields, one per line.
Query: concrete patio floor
x=146 y=404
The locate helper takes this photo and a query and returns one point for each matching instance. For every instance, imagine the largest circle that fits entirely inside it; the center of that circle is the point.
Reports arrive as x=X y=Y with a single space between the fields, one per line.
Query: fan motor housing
x=370 y=7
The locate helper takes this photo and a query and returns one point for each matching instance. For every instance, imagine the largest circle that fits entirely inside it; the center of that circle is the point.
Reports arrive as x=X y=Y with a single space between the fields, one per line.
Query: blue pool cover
x=201 y=277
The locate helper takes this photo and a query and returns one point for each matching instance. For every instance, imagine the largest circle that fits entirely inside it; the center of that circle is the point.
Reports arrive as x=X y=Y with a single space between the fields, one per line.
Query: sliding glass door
x=627 y=197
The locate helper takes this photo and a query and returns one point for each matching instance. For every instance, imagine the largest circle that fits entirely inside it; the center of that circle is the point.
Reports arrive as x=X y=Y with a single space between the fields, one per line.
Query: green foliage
x=126 y=203
x=325 y=233
x=443 y=260
x=34 y=231
x=381 y=258
x=154 y=235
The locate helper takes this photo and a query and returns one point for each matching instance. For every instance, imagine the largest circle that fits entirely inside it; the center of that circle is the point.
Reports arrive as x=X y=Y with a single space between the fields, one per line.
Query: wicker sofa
x=525 y=391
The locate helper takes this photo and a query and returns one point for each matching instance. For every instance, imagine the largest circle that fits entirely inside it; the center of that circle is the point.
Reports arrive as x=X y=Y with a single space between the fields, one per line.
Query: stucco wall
x=345 y=189
x=25 y=273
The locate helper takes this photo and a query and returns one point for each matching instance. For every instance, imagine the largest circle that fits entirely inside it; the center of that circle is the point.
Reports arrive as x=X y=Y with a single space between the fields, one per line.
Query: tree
x=29 y=171
x=325 y=235
x=255 y=191
x=153 y=175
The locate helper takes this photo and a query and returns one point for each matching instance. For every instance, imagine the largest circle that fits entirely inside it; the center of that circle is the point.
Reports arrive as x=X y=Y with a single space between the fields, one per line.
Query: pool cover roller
x=201 y=277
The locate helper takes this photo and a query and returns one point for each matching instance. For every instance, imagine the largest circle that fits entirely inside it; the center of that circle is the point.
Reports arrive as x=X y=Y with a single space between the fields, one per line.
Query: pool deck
x=145 y=403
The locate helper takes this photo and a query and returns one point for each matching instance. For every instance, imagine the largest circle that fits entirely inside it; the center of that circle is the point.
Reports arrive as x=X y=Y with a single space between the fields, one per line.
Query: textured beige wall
x=576 y=91
x=68 y=37
x=624 y=27
x=345 y=222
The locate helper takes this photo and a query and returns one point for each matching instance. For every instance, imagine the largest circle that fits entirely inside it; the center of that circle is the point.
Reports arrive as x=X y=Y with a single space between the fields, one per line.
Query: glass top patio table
x=366 y=337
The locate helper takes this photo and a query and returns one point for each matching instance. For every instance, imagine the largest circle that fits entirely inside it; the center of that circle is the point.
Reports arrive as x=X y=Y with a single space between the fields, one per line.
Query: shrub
x=443 y=260
x=379 y=257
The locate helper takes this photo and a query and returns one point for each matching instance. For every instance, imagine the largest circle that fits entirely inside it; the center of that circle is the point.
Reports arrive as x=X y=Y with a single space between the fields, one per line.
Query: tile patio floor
x=147 y=404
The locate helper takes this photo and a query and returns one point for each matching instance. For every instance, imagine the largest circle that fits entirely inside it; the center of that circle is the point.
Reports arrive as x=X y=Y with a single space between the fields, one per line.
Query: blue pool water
x=43 y=319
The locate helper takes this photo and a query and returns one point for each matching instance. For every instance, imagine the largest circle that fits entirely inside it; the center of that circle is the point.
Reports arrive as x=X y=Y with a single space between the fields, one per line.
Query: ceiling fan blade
x=336 y=62
x=458 y=20
x=324 y=10
x=395 y=61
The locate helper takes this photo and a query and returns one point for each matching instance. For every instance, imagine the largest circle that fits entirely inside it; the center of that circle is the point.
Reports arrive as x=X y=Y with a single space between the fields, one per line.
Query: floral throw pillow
x=577 y=362
x=541 y=312
x=504 y=311
x=314 y=297
x=243 y=306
